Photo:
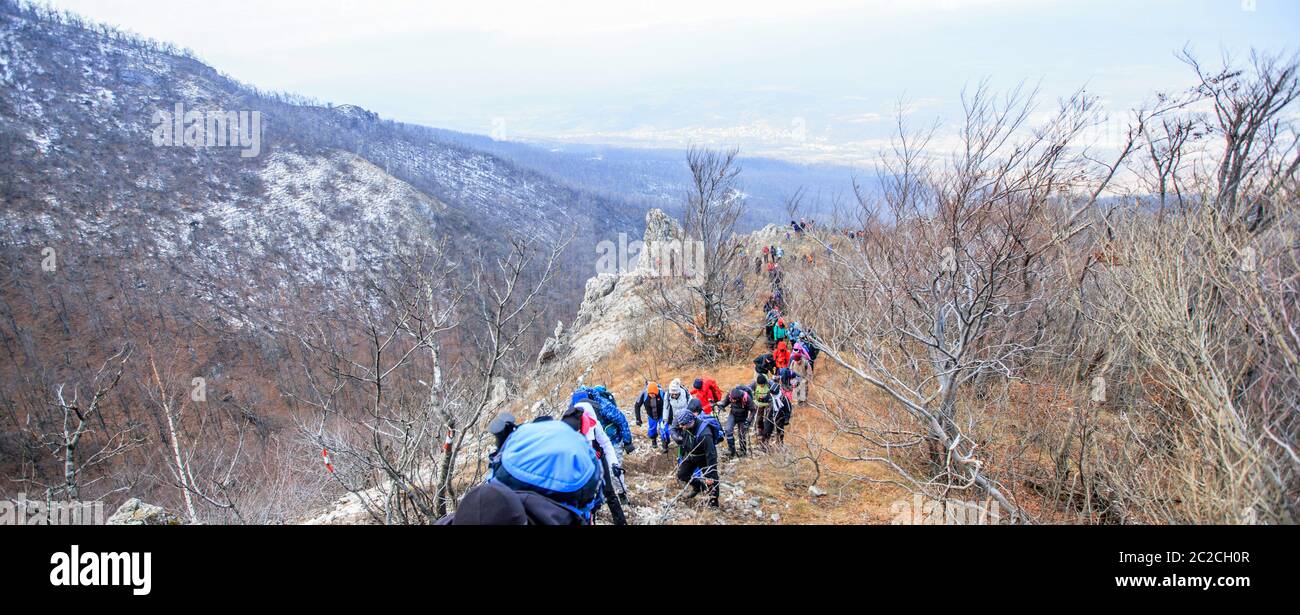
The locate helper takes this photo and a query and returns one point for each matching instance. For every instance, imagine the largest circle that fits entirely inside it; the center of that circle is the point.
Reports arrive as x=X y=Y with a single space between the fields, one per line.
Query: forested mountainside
x=119 y=234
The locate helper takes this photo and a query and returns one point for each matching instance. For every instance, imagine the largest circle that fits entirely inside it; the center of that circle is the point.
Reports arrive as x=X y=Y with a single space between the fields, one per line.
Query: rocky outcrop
x=552 y=346
x=660 y=226
x=135 y=512
x=612 y=308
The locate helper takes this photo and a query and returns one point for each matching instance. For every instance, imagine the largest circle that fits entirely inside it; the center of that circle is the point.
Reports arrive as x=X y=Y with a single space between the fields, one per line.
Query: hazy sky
x=803 y=79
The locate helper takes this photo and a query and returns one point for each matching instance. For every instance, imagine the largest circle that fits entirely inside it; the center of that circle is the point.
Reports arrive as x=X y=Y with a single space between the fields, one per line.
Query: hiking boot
x=654 y=444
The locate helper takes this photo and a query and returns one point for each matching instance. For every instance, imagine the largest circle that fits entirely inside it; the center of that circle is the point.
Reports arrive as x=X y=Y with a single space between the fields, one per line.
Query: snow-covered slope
x=328 y=185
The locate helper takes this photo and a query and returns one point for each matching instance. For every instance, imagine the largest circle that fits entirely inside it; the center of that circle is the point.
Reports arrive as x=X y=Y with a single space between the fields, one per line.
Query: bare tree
x=712 y=299
x=81 y=417
x=925 y=308
x=394 y=416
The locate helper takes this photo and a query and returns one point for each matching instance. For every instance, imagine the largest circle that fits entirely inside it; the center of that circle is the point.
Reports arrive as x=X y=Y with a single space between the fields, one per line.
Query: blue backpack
x=716 y=427
x=610 y=417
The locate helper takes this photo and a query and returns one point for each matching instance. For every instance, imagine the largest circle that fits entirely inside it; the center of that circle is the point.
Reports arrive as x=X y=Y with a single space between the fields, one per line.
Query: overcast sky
x=806 y=79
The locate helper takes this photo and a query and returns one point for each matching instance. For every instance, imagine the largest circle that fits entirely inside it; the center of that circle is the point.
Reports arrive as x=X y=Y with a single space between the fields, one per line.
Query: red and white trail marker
x=325 y=453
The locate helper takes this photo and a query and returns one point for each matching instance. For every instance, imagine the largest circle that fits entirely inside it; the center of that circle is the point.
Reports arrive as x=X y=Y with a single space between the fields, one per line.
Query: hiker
x=779 y=331
x=781 y=355
x=758 y=265
x=699 y=454
x=543 y=474
x=707 y=391
x=810 y=345
x=765 y=390
x=743 y=412
x=764 y=364
x=678 y=398
x=783 y=404
x=769 y=326
x=801 y=365
x=583 y=416
x=501 y=428
x=612 y=419
x=779 y=413
x=794 y=333
x=657 y=411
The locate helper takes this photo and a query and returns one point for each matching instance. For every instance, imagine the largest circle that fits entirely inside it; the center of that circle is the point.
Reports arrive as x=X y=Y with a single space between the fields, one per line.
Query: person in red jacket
x=707 y=391
x=781 y=354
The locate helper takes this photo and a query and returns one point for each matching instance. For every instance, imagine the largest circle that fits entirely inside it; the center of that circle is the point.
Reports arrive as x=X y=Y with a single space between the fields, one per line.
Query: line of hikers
x=561 y=472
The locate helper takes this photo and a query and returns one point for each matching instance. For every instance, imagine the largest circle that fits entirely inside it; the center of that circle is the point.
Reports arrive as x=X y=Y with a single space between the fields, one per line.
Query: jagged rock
x=135 y=512
x=659 y=226
x=552 y=346
x=776 y=517
x=816 y=491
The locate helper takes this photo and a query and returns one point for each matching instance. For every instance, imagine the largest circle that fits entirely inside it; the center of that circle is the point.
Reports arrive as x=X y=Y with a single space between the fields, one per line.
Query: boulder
x=135 y=512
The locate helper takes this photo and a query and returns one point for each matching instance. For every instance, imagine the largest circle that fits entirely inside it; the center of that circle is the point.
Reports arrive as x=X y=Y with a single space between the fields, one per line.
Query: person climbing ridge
x=658 y=412
x=699 y=455
x=743 y=412
x=765 y=391
x=542 y=474
x=781 y=356
x=584 y=417
x=801 y=365
x=765 y=364
x=707 y=391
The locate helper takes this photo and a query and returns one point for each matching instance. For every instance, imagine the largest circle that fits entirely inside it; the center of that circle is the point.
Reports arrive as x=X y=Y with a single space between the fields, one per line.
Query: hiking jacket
x=799 y=364
x=708 y=395
x=698 y=445
x=612 y=419
x=781 y=355
x=493 y=503
x=678 y=405
x=596 y=435
x=654 y=406
x=765 y=364
x=762 y=394
x=745 y=409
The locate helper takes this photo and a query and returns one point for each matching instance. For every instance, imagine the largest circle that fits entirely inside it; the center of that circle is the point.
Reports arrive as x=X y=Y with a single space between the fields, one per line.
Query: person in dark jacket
x=743 y=412
x=659 y=413
x=765 y=365
x=545 y=474
x=699 y=452
x=810 y=343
